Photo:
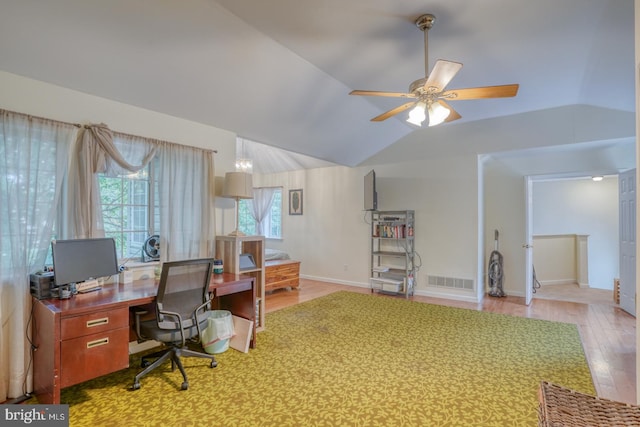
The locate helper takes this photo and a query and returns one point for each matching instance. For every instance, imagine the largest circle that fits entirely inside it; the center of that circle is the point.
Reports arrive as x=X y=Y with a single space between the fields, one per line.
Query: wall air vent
x=450 y=282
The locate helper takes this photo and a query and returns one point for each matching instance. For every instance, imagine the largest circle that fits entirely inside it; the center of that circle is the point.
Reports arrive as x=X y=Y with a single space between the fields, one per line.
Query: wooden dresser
x=282 y=273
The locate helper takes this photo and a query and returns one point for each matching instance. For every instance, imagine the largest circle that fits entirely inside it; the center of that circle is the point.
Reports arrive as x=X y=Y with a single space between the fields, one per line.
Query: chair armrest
x=138 y=315
x=204 y=308
x=176 y=318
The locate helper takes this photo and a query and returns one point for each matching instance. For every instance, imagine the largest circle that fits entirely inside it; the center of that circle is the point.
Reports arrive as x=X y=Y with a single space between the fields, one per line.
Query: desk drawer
x=91 y=356
x=93 y=323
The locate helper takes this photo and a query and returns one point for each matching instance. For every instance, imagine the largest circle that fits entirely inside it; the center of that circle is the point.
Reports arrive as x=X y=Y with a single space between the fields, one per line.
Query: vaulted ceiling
x=279 y=72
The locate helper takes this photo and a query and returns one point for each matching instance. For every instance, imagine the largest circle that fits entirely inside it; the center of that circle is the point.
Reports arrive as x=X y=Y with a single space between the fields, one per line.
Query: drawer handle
x=97 y=322
x=98 y=343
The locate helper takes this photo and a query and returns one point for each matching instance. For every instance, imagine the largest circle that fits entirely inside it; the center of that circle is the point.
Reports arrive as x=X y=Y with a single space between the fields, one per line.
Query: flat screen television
x=370 y=193
x=78 y=260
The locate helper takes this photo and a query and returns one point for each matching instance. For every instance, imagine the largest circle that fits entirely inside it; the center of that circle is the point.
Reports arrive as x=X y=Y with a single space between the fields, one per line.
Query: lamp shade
x=417 y=115
x=437 y=113
x=238 y=185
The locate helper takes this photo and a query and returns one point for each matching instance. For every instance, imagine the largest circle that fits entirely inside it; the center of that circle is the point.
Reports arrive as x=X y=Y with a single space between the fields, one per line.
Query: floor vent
x=450 y=282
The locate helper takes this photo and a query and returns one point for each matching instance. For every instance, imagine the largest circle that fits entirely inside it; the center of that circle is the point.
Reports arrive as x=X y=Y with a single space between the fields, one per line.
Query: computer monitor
x=78 y=260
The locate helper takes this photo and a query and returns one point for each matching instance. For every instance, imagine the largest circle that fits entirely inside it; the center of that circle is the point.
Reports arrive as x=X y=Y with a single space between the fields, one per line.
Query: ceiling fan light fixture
x=417 y=114
x=437 y=113
x=430 y=89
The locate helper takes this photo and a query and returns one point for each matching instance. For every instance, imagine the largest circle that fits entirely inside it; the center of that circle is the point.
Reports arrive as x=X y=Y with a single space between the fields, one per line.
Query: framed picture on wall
x=295 y=202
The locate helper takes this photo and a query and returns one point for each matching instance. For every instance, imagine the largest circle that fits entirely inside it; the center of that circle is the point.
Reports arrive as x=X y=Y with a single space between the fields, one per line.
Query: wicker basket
x=560 y=406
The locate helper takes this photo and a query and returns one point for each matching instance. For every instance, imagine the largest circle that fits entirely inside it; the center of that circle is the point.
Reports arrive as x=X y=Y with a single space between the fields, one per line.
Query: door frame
x=528 y=239
x=527 y=255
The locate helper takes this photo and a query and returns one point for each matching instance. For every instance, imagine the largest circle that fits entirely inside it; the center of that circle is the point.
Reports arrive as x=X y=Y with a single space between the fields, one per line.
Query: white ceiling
x=279 y=71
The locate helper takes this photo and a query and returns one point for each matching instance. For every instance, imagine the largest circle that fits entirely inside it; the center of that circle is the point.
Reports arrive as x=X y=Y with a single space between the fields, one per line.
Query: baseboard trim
x=338 y=281
x=419 y=292
x=558 y=282
x=446 y=295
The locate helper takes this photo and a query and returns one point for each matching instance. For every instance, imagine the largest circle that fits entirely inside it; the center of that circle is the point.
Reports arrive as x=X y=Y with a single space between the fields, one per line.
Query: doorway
x=575 y=206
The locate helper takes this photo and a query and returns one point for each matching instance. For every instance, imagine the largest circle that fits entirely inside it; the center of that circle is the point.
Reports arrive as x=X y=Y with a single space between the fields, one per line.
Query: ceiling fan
x=429 y=94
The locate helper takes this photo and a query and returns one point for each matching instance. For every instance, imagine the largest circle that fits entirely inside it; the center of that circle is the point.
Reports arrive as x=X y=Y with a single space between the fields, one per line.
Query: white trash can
x=215 y=337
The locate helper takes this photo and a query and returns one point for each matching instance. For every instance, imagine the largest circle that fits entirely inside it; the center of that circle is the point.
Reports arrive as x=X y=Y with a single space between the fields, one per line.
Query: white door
x=627 y=226
x=528 y=239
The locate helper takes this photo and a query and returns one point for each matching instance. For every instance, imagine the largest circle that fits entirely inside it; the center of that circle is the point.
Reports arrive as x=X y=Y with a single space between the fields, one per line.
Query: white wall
x=331 y=238
x=581 y=206
x=504 y=211
x=637 y=158
x=555 y=259
x=504 y=199
x=42 y=99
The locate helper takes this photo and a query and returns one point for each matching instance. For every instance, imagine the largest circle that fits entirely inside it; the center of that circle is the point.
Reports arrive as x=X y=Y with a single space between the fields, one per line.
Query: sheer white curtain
x=187 y=222
x=97 y=152
x=185 y=177
x=34 y=156
x=262 y=198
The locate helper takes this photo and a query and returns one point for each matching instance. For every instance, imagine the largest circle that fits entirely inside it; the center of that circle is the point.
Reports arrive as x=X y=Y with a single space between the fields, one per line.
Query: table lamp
x=237 y=185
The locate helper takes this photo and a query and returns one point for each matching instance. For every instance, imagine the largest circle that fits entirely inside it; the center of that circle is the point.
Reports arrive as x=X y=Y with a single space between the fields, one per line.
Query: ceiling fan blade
x=453 y=114
x=393 y=112
x=441 y=74
x=503 y=91
x=380 y=93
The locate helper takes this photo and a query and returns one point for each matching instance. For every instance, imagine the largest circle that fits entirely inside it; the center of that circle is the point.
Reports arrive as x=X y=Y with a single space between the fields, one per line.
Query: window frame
x=245 y=207
x=132 y=233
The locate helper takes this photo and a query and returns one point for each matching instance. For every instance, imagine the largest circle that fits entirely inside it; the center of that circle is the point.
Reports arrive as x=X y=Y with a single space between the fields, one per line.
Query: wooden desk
x=87 y=335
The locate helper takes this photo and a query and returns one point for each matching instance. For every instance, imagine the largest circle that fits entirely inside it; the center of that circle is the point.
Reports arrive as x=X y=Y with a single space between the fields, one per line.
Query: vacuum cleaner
x=495 y=271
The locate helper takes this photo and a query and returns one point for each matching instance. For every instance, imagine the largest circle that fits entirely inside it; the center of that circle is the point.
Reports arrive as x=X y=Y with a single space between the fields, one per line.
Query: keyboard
x=88 y=286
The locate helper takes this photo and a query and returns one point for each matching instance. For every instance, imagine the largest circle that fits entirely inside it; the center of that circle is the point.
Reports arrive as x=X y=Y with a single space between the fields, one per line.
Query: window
x=273 y=219
x=125 y=210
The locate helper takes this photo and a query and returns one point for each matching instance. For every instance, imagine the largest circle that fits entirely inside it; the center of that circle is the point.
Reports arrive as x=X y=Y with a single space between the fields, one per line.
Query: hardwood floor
x=607 y=332
x=574 y=293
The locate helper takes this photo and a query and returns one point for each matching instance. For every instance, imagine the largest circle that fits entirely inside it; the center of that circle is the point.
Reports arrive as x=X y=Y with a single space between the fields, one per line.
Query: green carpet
x=352 y=359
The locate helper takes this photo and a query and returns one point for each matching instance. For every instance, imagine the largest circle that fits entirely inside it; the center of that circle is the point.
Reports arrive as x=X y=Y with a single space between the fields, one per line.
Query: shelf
x=389 y=253
x=386 y=285
x=229 y=248
x=392 y=240
x=248 y=270
x=391 y=273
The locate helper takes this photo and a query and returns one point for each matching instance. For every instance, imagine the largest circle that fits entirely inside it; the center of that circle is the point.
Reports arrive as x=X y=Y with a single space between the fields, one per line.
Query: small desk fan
x=151 y=249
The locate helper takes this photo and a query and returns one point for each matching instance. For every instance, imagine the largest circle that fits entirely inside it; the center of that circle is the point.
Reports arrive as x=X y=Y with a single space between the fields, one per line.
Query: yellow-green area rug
x=352 y=359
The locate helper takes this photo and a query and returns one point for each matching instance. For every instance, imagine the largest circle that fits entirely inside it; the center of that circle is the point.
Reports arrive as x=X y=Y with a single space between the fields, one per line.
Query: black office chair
x=182 y=306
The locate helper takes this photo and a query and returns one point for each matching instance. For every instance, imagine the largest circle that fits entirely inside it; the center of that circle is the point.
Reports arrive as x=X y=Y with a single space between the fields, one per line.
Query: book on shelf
x=393 y=231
